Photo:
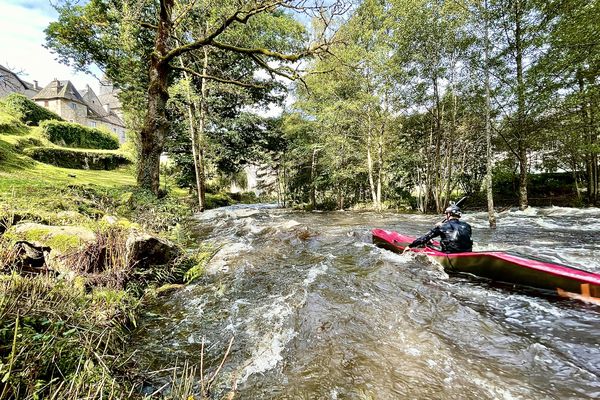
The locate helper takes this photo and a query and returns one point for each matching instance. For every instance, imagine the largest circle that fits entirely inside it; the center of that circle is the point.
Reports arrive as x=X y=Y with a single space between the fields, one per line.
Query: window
x=93 y=124
x=45 y=103
x=73 y=105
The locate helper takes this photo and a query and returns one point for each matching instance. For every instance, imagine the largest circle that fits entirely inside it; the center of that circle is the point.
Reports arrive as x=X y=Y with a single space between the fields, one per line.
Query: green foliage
x=27 y=111
x=10 y=125
x=218 y=200
x=200 y=259
x=75 y=135
x=55 y=327
x=76 y=159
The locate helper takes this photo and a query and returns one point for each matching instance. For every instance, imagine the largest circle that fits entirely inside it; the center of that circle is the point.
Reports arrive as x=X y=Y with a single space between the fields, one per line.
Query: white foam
x=562 y=211
x=220 y=261
x=268 y=350
x=289 y=224
x=315 y=271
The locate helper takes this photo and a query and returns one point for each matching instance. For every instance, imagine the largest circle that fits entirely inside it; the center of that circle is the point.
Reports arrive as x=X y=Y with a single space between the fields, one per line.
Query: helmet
x=454 y=211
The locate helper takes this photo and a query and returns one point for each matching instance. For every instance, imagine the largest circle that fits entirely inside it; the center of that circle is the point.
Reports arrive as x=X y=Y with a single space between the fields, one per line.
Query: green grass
x=63 y=338
x=11 y=125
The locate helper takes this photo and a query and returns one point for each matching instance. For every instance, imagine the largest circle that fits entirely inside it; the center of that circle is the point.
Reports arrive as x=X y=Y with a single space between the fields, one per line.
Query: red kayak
x=504 y=267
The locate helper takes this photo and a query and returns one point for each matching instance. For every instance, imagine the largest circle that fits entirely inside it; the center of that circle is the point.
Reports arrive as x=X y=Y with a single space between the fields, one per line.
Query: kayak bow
x=506 y=267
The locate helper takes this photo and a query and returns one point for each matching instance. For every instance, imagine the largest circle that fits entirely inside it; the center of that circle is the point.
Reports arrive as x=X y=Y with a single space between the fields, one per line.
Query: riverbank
x=64 y=322
x=81 y=251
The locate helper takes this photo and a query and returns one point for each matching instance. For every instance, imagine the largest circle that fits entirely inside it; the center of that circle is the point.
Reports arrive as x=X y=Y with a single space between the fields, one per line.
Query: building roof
x=96 y=110
x=65 y=90
x=92 y=101
x=59 y=90
x=26 y=88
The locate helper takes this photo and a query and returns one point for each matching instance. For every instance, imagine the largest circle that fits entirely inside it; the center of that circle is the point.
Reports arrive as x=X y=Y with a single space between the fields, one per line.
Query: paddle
x=458 y=203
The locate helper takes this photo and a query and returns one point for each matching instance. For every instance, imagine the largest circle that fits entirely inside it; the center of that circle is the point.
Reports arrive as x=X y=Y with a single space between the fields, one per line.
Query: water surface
x=318 y=312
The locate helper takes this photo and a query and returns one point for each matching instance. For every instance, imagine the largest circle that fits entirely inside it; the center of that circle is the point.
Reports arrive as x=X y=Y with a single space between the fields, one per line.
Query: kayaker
x=455 y=235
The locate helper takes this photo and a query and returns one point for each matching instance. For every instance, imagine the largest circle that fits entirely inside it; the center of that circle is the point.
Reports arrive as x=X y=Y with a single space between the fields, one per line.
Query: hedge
x=26 y=110
x=74 y=135
x=76 y=159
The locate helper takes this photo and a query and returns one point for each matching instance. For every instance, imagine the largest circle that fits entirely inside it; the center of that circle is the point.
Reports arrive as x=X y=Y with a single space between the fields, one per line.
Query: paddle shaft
x=456 y=204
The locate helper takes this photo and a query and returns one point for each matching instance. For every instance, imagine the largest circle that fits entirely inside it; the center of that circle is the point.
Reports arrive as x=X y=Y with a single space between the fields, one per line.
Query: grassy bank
x=63 y=335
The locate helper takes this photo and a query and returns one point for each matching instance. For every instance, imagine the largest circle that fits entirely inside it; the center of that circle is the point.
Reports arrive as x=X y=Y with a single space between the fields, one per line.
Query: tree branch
x=219 y=79
x=190 y=6
x=262 y=51
x=209 y=39
x=148 y=25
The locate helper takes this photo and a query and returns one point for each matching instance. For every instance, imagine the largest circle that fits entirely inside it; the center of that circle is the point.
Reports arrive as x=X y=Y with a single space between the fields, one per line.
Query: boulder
x=30 y=257
x=41 y=246
x=61 y=239
x=144 y=249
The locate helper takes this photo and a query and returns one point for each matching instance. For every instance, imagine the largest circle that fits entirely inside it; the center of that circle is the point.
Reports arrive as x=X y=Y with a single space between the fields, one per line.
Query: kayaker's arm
x=426 y=238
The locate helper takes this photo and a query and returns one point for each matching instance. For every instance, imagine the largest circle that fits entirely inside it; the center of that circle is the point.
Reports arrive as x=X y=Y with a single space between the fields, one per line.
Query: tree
x=571 y=70
x=94 y=33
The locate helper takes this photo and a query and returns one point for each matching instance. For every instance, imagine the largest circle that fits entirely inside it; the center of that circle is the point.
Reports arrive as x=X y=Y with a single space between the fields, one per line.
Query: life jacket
x=455 y=236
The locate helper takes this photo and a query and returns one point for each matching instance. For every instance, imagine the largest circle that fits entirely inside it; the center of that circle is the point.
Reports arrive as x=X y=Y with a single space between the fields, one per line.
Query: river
x=318 y=312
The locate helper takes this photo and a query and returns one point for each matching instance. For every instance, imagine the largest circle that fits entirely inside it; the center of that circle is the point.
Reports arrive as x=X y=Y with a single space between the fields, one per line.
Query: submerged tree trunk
x=489 y=173
x=313 y=176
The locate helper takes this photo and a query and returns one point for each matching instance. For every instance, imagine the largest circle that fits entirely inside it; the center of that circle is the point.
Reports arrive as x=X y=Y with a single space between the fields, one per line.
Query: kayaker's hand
x=415 y=243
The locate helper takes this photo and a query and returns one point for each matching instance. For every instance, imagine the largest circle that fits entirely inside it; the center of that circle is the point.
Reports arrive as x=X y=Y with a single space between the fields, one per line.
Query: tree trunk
x=198 y=166
x=489 y=174
x=313 y=175
x=152 y=135
x=370 y=162
x=437 y=173
x=521 y=136
x=380 y=165
x=201 y=129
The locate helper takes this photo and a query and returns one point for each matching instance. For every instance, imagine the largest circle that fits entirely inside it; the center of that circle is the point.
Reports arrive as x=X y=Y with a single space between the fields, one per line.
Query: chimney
x=36 y=86
x=107 y=107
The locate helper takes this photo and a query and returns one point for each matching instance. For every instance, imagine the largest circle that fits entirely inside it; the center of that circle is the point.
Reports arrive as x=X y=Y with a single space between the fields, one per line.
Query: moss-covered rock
x=61 y=239
x=144 y=249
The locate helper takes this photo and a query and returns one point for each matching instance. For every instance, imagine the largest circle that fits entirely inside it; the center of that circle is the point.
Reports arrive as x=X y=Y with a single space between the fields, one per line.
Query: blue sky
x=21 y=40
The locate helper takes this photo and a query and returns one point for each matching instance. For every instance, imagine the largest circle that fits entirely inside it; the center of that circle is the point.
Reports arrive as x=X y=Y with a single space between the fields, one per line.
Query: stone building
x=11 y=83
x=84 y=108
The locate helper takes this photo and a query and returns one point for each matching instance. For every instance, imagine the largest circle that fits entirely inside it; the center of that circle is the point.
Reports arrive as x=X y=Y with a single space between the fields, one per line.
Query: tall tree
x=104 y=21
x=571 y=70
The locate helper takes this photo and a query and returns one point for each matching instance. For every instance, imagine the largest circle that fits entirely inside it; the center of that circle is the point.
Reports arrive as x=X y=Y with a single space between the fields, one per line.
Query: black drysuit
x=455 y=237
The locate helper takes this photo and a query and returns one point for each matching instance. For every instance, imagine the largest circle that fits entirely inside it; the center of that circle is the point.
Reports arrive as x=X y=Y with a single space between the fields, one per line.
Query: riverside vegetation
x=75 y=273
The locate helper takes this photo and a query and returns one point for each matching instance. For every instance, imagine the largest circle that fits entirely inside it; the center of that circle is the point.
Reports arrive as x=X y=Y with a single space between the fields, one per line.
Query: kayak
x=504 y=266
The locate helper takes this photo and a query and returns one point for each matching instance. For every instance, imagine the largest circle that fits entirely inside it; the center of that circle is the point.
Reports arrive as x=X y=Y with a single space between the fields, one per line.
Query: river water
x=318 y=312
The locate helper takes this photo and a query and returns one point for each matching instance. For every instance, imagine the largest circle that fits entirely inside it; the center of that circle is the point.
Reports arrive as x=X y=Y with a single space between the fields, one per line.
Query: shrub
x=76 y=159
x=27 y=111
x=218 y=200
x=75 y=135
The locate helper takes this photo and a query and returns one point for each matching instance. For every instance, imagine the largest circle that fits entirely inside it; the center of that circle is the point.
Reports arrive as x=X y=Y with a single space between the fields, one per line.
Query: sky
x=21 y=44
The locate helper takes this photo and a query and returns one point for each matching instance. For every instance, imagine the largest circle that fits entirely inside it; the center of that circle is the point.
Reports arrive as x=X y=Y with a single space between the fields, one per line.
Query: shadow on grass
x=11 y=159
